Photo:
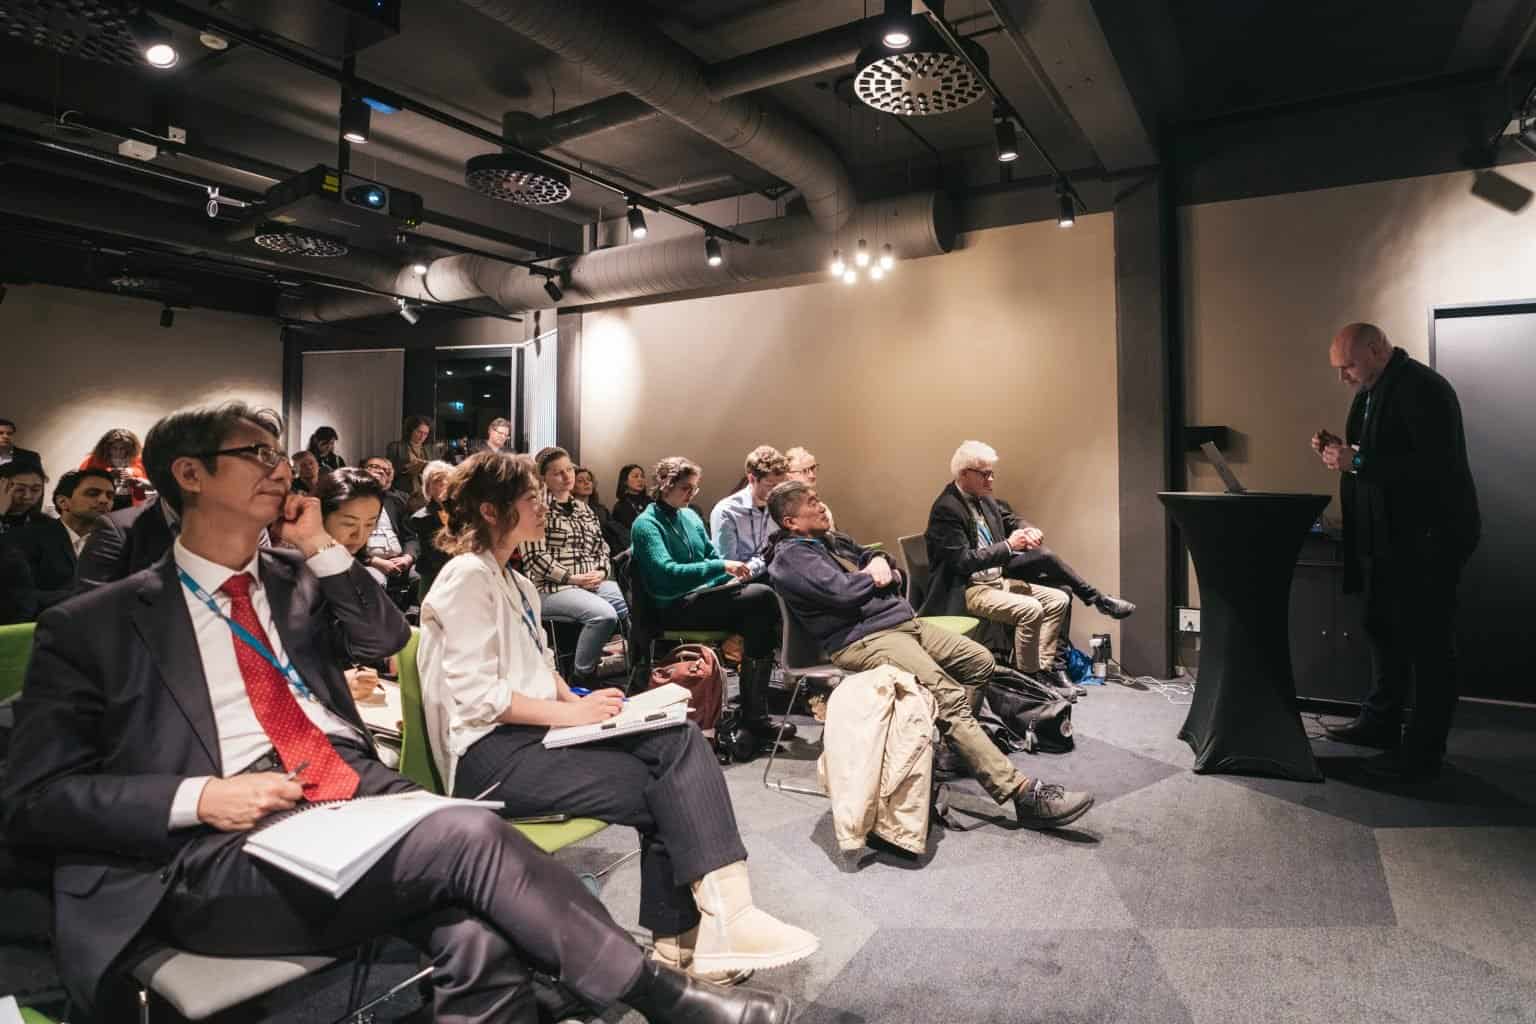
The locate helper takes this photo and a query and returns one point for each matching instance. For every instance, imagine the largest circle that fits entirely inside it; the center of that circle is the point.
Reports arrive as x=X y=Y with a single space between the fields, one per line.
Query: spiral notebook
x=332 y=844
x=660 y=708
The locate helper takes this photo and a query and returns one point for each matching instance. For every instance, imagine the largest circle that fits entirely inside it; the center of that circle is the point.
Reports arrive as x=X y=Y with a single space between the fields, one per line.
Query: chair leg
x=780 y=784
x=358 y=1014
x=362 y=967
x=143 y=1006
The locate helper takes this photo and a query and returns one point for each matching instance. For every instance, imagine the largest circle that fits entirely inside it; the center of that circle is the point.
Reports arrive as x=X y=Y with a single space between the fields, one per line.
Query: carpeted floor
x=1179 y=898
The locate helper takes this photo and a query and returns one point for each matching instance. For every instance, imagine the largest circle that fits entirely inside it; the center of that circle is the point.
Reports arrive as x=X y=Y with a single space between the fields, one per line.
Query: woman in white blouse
x=490 y=692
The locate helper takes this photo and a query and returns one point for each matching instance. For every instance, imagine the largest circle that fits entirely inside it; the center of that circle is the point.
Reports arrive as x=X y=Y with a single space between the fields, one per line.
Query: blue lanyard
x=244 y=635
x=530 y=623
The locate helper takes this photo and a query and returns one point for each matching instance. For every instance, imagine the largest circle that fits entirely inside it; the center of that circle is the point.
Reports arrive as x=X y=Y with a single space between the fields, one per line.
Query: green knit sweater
x=673 y=553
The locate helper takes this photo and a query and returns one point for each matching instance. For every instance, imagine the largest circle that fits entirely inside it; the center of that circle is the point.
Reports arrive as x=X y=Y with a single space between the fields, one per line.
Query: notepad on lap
x=634 y=718
x=331 y=845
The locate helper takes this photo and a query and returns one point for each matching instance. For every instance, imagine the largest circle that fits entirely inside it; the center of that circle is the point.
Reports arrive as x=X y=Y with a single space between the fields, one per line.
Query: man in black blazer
x=1411 y=521
x=9 y=452
x=145 y=748
x=124 y=542
x=50 y=547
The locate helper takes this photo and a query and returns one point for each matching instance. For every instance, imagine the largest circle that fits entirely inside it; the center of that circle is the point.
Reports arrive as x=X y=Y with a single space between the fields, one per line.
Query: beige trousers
x=1035 y=612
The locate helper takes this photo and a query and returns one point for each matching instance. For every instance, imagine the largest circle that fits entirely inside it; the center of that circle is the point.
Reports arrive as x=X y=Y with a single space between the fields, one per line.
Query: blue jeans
x=598 y=612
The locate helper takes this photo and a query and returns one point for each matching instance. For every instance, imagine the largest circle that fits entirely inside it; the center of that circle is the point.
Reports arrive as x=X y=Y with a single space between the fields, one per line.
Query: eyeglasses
x=263 y=453
x=985 y=474
x=688 y=489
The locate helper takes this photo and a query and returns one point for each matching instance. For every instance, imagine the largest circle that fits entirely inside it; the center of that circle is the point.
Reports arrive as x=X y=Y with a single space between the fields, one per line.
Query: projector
x=334 y=211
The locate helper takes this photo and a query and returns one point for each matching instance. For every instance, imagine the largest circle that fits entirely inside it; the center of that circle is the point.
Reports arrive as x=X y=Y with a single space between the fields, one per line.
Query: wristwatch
x=1354 y=463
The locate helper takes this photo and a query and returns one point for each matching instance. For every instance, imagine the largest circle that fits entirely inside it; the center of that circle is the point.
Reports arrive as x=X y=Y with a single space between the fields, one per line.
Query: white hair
x=430 y=472
x=971 y=455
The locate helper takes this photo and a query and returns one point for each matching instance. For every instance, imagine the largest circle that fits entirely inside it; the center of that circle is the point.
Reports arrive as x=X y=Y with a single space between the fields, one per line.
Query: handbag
x=697 y=668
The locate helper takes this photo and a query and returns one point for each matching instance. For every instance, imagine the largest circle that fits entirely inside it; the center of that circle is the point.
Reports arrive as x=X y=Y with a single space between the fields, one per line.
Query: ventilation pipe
x=638 y=59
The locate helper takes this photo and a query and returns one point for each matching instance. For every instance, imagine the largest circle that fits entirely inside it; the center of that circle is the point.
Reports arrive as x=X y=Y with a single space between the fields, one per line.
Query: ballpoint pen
x=291 y=776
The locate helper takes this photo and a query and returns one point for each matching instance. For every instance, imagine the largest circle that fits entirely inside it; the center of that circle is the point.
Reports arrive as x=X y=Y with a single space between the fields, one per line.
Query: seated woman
x=428 y=521
x=630 y=496
x=685 y=578
x=614 y=532
x=570 y=567
x=350 y=503
x=120 y=454
x=490 y=692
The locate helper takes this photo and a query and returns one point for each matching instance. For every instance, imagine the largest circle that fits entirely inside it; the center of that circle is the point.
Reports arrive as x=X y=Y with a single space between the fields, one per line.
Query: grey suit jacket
x=115 y=713
x=123 y=542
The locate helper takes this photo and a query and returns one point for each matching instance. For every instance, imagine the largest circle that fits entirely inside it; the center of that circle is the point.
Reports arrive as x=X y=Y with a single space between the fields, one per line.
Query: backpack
x=1034 y=716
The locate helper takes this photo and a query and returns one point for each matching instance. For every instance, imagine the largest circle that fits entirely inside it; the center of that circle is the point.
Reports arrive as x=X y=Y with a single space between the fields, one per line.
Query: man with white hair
x=971 y=540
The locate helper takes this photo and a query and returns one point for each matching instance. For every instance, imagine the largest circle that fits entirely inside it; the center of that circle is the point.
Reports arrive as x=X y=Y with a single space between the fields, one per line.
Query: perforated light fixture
x=290 y=240
x=712 y=254
x=896 y=25
x=514 y=178
x=356 y=117
x=926 y=78
x=637 y=228
x=838 y=266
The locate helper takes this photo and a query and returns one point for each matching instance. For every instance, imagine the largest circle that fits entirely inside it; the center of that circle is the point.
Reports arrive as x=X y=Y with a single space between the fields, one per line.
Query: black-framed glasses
x=263 y=453
x=985 y=474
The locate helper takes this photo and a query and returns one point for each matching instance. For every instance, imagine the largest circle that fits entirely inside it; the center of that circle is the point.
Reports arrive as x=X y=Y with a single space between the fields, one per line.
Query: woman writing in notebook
x=490 y=693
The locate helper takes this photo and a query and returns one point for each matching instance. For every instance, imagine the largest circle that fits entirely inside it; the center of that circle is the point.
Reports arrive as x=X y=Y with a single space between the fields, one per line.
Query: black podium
x=1244 y=716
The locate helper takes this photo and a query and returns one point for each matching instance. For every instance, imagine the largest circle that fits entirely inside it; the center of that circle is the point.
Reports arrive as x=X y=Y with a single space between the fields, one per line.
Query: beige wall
x=74 y=364
x=1269 y=281
x=1010 y=340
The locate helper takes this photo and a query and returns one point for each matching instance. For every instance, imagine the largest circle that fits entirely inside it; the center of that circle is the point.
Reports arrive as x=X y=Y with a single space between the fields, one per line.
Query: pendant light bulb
x=887 y=257
x=861 y=255
x=876 y=272
x=850 y=276
x=838 y=266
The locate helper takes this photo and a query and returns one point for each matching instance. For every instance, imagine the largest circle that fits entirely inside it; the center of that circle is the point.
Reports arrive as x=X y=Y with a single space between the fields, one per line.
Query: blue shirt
x=741 y=529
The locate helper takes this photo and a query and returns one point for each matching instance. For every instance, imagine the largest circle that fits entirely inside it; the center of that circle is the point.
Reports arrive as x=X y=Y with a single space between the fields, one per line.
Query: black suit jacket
x=952 y=553
x=46 y=574
x=123 y=542
x=115 y=713
x=1413 y=499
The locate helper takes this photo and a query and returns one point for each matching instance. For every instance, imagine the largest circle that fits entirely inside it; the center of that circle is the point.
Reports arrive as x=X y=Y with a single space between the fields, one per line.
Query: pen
x=291 y=776
x=582 y=691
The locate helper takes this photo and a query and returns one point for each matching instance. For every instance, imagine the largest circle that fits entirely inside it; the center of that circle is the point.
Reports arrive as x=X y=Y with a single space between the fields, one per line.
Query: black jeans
x=750 y=610
x=1042 y=565
x=1410 y=621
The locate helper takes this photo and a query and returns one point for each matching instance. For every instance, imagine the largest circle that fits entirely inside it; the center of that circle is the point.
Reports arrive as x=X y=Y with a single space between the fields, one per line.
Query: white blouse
x=481 y=642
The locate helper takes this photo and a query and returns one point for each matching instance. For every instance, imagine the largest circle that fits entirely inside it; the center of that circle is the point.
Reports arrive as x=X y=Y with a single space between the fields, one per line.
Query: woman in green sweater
x=692 y=587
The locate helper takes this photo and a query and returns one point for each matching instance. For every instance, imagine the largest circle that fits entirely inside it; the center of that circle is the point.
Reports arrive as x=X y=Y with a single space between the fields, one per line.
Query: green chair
x=29 y=1016
x=15 y=652
x=915 y=550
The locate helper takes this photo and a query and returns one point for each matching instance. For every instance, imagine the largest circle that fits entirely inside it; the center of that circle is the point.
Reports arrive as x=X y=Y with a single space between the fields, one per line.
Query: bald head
x=1360 y=352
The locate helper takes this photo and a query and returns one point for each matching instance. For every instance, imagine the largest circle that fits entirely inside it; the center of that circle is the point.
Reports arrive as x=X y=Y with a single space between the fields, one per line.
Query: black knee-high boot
x=756 y=676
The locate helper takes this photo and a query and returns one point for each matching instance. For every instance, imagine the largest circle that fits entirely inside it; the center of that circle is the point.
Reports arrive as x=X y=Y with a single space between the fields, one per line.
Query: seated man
x=739 y=522
x=49 y=548
x=855 y=611
x=21 y=494
x=161 y=721
x=1039 y=564
x=306 y=471
x=497 y=437
x=126 y=541
x=393 y=549
x=10 y=451
x=970 y=542
x=802 y=467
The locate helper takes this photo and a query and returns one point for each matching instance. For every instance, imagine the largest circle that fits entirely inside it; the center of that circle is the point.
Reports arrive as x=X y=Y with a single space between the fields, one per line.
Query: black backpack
x=1033 y=716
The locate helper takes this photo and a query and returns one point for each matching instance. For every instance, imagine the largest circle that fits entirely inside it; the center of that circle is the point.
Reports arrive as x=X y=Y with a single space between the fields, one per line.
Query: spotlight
x=1007 y=139
x=850 y=276
x=637 y=227
x=355 y=118
x=411 y=314
x=887 y=257
x=876 y=272
x=1066 y=207
x=489 y=367
x=896 y=26
x=448 y=373
x=712 y=254
x=167 y=317
x=155 y=42
x=553 y=290
x=861 y=255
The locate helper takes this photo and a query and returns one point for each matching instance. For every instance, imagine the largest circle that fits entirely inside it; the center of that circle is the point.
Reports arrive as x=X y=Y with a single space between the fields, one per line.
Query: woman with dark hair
x=585 y=491
x=410 y=456
x=692 y=587
x=490 y=693
x=323 y=443
x=120 y=454
x=350 y=503
x=630 y=496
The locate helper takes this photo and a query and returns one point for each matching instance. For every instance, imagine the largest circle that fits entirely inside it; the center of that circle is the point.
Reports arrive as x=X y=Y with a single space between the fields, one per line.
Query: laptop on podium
x=1234 y=485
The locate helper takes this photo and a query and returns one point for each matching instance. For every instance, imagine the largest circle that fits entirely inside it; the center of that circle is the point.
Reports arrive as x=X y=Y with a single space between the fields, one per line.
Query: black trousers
x=750 y=610
x=463 y=886
x=1410 y=622
x=667 y=784
x=1042 y=565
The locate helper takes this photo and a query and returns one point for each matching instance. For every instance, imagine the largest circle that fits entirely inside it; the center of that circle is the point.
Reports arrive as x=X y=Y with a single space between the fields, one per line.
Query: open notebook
x=332 y=844
x=660 y=708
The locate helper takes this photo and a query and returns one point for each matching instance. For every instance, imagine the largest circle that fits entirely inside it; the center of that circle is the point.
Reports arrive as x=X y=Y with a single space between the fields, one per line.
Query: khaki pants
x=1035 y=612
x=954 y=670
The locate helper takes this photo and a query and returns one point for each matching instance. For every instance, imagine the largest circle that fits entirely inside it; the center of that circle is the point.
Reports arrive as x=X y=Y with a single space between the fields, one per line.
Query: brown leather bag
x=698 y=668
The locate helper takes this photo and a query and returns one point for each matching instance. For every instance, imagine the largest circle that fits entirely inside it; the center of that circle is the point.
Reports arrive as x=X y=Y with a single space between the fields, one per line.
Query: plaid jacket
x=573 y=543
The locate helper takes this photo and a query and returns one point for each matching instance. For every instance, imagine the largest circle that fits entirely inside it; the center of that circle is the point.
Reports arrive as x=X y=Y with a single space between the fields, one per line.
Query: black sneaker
x=1044 y=805
x=1114 y=607
x=1363 y=732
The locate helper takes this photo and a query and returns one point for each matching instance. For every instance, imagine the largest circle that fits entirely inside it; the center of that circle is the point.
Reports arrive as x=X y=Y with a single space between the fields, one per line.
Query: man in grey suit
x=166 y=715
x=124 y=542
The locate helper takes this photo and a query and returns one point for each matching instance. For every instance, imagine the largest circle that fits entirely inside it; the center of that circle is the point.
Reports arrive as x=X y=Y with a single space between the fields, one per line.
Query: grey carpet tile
x=1336 y=976
x=1141 y=722
x=1197 y=852
x=988 y=976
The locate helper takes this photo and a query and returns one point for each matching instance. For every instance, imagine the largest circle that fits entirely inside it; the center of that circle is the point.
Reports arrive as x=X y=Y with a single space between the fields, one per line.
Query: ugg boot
x=734 y=934
x=676 y=951
x=756 y=677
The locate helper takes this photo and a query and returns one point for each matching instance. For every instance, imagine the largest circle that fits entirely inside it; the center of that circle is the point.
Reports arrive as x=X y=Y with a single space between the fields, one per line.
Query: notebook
x=660 y=708
x=332 y=844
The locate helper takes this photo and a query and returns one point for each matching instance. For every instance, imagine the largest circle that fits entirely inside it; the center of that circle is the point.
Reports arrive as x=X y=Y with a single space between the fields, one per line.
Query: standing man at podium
x=1410 y=523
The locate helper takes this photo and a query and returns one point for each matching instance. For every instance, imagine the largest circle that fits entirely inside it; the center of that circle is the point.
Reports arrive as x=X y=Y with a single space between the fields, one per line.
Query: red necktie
x=298 y=740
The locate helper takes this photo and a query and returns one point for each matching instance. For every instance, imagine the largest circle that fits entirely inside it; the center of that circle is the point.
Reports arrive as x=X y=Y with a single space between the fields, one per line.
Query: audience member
x=1042 y=565
x=350 y=503
x=739 y=522
x=50 y=547
x=392 y=548
x=570 y=566
x=497 y=438
x=146 y=807
x=9 y=451
x=323 y=444
x=306 y=472
x=127 y=540
x=21 y=495
x=410 y=455
x=120 y=454
x=970 y=542
x=490 y=694
x=429 y=520
x=856 y=612
x=692 y=586
x=802 y=467
x=630 y=496
x=615 y=533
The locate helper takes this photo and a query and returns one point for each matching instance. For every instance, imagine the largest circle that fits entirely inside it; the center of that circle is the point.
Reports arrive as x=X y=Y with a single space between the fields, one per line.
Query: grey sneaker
x=1044 y=805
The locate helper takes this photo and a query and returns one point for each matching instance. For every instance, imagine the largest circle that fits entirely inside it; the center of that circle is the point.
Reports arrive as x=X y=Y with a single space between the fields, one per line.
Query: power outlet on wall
x=1189 y=620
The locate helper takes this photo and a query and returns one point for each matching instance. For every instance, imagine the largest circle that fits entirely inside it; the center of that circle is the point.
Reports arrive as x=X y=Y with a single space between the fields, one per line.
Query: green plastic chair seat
x=15 y=652
x=552 y=836
x=962 y=624
x=695 y=636
x=30 y=1016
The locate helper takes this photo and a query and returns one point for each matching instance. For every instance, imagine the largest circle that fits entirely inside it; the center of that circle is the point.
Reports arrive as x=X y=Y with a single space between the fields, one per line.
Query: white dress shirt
x=241 y=737
x=76 y=540
x=384 y=539
x=477 y=650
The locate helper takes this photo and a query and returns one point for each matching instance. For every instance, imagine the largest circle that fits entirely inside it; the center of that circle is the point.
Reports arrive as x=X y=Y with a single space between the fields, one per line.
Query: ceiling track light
x=156 y=44
x=637 y=228
x=887 y=257
x=861 y=254
x=553 y=290
x=838 y=266
x=411 y=314
x=896 y=25
x=167 y=317
x=1066 y=205
x=356 y=117
x=1007 y=138
x=712 y=254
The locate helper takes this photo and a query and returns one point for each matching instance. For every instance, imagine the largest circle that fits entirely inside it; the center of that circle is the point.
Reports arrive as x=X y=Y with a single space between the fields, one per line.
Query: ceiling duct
x=630 y=52
x=514 y=178
x=925 y=78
